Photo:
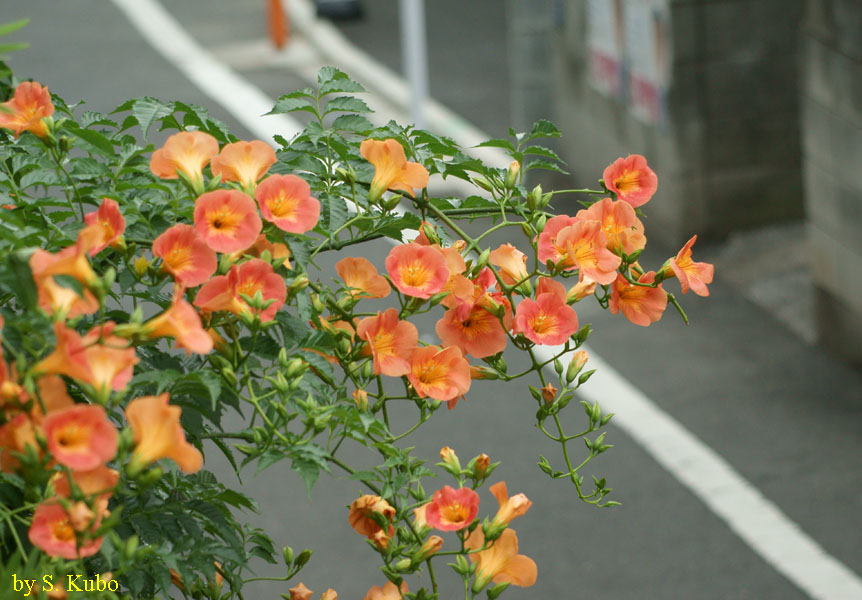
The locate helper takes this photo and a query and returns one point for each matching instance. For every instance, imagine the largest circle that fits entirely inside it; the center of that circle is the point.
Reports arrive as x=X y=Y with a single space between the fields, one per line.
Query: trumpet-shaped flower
x=693 y=275
x=418 y=271
x=286 y=202
x=474 y=328
x=451 y=509
x=511 y=507
x=549 y=249
x=110 y=358
x=186 y=152
x=108 y=222
x=392 y=171
x=276 y=250
x=157 y=433
x=53 y=297
x=586 y=250
x=300 y=592
x=388 y=592
x=227 y=220
x=500 y=563
x=361 y=278
x=53 y=532
x=245 y=162
x=68 y=357
x=620 y=224
x=185 y=255
x=511 y=262
x=391 y=342
x=440 y=374
x=547 y=321
x=16 y=435
x=632 y=180
x=100 y=482
x=640 y=305
x=181 y=322
x=81 y=437
x=225 y=291
x=29 y=105
x=361 y=514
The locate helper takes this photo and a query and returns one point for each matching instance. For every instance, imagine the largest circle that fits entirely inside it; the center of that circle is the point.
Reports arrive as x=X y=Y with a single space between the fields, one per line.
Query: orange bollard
x=279 y=24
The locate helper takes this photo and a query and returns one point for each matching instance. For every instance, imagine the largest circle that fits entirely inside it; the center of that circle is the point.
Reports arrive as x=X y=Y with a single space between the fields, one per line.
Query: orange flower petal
x=245 y=162
x=158 y=434
x=418 y=271
x=29 y=105
x=227 y=220
x=187 y=152
x=632 y=180
x=361 y=278
x=81 y=437
x=185 y=255
x=286 y=202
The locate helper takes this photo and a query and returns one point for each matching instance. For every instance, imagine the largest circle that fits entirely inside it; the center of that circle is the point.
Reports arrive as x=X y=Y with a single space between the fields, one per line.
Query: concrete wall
x=831 y=102
x=728 y=155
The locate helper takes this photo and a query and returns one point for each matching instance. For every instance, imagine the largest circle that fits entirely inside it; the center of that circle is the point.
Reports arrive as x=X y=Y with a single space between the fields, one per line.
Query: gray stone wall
x=728 y=155
x=831 y=104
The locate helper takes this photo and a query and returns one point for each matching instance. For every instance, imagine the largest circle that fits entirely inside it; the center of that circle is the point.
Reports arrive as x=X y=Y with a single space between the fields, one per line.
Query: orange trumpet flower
x=694 y=275
x=512 y=263
x=418 y=271
x=640 y=305
x=181 y=322
x=361 y=278
x=390 y=340
x=245 y=162
x=53 y=532
x=473 y=328
x=157 y=433
x=500 y=563
x=108 y=222
x=286 y=202
x=586 y=250
x=451 y=509
x=29 y=105
x=227 y=220
x=225 y=291
x=441 y=374
x=632 y=180
x=185 y=255
x=548 y=320
x=81 y=437
x=392 y=171
x=623 y=229
x=548 y=246
x=388 y=592
x=186 y=152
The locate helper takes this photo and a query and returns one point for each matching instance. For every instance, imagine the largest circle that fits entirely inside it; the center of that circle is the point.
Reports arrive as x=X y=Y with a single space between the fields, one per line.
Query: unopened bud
x=483 y=183
x=316 y=303
x=295 y=367
x=549 y=393
x=450 y=458
x=579 y=359
x=512 y=174
x=299 y=284
x=431 y=547
x=403 y=564
x=483 y=373
x=534 y=198
x=224 y=264
x=483 y=461
x=361 y=399
x=581 y=290
x=430 y=233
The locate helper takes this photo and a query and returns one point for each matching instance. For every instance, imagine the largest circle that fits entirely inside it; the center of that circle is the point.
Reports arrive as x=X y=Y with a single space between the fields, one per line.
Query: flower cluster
x=149 y=291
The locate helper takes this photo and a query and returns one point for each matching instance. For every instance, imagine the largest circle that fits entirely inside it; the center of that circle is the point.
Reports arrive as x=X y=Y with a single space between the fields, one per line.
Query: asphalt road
x=783 y=414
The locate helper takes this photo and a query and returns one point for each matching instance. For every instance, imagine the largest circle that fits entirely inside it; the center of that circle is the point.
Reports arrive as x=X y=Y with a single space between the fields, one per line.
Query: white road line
x=754 y=518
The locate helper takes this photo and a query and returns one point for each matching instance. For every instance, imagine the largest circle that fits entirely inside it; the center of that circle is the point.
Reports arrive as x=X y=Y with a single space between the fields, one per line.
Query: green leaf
x=13 y=26
x=332 y=80
x=94 y=140
x=545 y=165
x=542 y=129
x=88 y=168
x=355 y=123
x=542 y=151
x=496 y=143
x=148 y=110
x=161 y=378
x=290 y=103
x=347 y=104
x=336 y=211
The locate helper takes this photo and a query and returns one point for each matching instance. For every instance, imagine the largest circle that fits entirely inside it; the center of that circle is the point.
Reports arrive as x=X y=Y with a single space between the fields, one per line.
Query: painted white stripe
x=244 y=101
x=754 y=518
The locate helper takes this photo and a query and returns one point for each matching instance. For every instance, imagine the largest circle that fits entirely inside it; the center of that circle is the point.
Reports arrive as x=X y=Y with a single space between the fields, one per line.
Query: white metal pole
x=414 y=51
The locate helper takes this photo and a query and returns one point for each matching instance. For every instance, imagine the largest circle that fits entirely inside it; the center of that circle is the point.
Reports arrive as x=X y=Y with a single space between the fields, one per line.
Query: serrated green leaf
x=347 y=104
x=350 y=122
x=496 y=143
x=286 y=104
x=147 y=110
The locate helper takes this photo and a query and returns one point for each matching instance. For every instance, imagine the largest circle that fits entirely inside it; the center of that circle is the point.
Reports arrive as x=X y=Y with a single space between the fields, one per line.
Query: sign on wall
x=629 y=49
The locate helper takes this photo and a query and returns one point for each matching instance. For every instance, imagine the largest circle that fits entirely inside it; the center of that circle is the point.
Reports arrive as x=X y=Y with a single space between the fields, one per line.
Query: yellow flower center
x=629 y=181
x=454 y=512
x=63 y=531
x=415 y=274
x=224 y=220
x=283 y=206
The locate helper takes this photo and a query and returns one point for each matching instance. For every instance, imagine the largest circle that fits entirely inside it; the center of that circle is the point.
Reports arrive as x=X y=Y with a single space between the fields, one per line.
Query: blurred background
x=749 y=111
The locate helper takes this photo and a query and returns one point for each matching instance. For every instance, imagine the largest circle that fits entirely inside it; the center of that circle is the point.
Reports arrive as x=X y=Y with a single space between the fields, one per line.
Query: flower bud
x=141 y=264
x=579 y=359
x=316 y=303
x=403 y=565
x=430 y=233
x=483 y=373
x=483 y=183
x=483 y=461
x=431 y=546
x=534 y=198
x=361 y=399
x=549 y=393
x=450 y=458
x=299 y=284
x=581 y=290
x=512 y=174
